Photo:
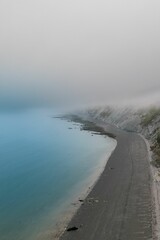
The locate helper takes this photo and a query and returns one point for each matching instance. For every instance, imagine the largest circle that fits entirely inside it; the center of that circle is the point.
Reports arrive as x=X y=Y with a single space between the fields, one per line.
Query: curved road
x=119 y=205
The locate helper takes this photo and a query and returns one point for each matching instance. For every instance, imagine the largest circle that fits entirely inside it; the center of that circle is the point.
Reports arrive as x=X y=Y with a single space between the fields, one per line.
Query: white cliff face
x=145 y=121
x=125 y=118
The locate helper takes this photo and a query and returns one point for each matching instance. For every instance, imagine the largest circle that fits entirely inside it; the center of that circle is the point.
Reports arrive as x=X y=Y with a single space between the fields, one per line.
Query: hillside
x=145 y=121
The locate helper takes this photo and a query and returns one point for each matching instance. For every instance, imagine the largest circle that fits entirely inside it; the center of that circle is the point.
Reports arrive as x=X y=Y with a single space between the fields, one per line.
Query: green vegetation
x=148 y=117
x=158 y=138
x=156 y=150
x=156 y=162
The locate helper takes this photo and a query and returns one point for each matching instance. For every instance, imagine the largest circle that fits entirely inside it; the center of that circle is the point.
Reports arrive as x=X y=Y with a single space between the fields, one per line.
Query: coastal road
x=119 y=207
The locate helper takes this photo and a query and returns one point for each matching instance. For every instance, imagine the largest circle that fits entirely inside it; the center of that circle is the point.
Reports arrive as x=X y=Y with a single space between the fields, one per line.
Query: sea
x=46 y=164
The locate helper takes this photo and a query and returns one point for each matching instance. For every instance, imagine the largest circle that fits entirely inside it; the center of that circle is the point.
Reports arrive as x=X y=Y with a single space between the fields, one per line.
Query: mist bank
x=70 y=54
x=23 y=90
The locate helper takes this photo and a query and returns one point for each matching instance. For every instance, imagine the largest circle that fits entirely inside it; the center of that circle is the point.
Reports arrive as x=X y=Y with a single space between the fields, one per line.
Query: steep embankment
x=144 y=121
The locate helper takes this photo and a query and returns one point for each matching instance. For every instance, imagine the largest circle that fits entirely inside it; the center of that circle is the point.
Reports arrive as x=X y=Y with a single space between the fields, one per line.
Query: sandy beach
x=119 y=207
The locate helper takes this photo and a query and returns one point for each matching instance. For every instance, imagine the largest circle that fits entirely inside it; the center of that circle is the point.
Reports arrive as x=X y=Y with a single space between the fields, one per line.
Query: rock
x=111 y=168
x=72 y=229
x=92 y=200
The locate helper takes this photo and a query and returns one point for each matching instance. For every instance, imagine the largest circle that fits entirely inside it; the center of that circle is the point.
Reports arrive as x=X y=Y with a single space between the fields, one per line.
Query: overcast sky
x=66 y=52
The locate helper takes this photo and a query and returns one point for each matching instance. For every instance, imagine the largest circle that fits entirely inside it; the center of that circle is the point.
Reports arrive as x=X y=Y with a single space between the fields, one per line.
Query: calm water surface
x=42 y=164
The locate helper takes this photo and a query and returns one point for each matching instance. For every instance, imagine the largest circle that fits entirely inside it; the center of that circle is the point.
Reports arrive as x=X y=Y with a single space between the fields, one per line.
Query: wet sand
x=119 y=207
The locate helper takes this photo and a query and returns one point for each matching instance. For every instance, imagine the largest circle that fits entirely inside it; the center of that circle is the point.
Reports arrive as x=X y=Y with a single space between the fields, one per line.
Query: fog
x=72 y=53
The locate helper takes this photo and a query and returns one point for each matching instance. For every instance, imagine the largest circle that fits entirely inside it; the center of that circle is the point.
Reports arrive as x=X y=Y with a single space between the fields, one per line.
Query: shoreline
x=79 y=199
x=71 y=206
x=94 y=221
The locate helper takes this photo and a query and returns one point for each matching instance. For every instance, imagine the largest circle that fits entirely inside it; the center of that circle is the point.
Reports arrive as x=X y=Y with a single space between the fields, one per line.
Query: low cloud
x=68 y=53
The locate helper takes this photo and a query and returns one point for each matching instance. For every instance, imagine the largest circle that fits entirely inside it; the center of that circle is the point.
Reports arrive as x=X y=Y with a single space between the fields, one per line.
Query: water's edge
x=47 y=167
x=70 y=208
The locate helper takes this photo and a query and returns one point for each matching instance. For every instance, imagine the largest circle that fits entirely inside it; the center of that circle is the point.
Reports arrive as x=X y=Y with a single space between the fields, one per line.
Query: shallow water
x=42 y=164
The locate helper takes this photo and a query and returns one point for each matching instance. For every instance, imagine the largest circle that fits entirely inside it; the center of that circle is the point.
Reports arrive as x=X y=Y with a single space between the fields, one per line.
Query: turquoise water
x=42 y=165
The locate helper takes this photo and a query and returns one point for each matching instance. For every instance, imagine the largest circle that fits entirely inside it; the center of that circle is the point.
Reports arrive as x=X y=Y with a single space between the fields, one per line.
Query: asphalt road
x=119 y=207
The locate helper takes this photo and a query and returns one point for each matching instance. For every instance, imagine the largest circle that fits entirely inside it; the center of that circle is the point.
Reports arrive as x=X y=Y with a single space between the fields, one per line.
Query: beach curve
x=119 y=207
